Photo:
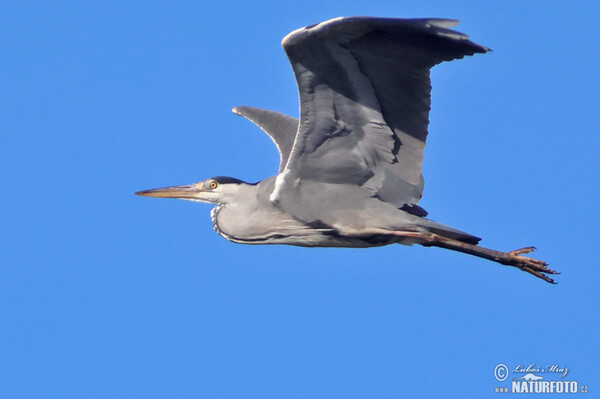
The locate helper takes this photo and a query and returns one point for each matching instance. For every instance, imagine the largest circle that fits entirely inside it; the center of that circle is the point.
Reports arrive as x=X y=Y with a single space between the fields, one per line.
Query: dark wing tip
x=349 y=28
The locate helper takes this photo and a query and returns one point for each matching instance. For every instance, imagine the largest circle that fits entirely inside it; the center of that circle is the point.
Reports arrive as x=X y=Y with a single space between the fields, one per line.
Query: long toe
x=536 y=267
x=525 y=250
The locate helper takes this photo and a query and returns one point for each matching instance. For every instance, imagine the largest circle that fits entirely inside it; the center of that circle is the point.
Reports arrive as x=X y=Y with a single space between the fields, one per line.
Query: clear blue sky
x=107 y=295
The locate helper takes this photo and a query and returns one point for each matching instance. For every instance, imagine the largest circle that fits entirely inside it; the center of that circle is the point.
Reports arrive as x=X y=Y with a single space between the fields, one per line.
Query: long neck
x=214 y=214
x=242 y=216
x=238 y=205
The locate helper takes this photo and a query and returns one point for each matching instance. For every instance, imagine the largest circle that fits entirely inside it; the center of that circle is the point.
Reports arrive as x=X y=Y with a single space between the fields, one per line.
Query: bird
x=350 y=171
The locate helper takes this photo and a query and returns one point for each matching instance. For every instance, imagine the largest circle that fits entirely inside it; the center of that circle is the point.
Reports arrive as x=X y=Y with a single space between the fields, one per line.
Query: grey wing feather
x=365 y=99
x=281 y=128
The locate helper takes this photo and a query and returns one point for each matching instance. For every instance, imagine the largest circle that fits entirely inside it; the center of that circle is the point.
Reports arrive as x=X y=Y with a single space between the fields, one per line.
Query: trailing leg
x=512 y=258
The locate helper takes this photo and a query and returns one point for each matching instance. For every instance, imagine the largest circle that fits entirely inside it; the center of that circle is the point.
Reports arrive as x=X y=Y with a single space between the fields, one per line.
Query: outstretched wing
x=281 y=128
x=365 y=99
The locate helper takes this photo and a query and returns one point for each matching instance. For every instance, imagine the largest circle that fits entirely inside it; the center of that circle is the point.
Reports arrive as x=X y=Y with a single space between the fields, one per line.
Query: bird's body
x=314 y=224
x=259 y=221
x=350 y=168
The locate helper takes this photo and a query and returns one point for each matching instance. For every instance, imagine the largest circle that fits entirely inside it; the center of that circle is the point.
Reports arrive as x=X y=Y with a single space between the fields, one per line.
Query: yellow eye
x=213 y=184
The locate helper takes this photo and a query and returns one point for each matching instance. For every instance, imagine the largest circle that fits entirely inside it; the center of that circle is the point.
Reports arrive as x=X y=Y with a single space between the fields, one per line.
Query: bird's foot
x=533 y=266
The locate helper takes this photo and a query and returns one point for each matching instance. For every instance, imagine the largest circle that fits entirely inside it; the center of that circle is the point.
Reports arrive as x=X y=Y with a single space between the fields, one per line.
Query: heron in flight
x=350 y=166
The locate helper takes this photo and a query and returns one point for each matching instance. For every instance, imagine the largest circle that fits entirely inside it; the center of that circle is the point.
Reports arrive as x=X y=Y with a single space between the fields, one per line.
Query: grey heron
x=350 y=166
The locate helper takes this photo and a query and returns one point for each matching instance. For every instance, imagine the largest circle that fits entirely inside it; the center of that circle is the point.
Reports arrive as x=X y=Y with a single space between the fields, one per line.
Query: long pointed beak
x=189 y=191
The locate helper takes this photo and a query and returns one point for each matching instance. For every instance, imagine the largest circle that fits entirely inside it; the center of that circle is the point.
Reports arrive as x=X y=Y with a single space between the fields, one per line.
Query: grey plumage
x=350 y=166
x=281 y=128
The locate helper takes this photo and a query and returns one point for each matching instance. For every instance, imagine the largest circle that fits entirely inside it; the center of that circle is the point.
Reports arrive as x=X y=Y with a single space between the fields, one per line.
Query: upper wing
x=281 y=128
x=364 y=101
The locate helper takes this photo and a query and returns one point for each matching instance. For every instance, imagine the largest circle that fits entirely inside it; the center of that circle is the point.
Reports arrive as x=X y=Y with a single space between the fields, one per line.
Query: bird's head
x=216 y=190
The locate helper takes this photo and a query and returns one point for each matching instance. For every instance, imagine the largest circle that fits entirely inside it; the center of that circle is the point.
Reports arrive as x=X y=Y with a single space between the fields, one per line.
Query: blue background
x=105 y=295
